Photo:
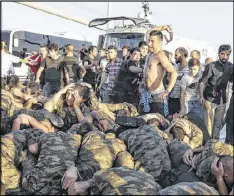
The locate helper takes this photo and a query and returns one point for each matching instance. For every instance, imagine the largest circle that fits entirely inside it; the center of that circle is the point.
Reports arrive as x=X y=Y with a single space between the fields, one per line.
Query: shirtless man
x=156 y=65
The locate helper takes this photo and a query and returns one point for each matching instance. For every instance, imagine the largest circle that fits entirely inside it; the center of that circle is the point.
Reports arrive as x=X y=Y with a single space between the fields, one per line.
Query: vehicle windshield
x=121 y=39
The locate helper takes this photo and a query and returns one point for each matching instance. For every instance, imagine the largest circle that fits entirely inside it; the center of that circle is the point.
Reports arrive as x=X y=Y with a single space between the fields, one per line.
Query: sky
x=206 y=21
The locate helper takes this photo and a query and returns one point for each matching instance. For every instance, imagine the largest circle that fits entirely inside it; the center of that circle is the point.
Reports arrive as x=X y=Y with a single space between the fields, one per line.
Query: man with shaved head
x=75 y=68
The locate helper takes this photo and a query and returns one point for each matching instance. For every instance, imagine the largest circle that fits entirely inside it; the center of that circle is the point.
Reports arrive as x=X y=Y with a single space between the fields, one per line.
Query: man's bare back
x=154 y=73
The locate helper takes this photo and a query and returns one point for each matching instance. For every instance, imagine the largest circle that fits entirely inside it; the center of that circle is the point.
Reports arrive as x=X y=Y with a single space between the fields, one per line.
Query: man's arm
x=182 y=100
x=50 y=105
x=170 y=69
x=205 y=77
x=135 y=69
x=40 y=70
x=223 y=81
x=25 y=97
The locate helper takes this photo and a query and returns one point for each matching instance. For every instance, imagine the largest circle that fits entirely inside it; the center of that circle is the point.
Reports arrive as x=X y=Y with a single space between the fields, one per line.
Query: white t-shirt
x=6 y=63
x=191 y=85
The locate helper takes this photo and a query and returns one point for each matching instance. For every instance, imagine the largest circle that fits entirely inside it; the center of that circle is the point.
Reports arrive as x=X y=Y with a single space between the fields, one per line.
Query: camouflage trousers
x=189 y=188
x=123 y=181
x=58 y=151
x=148 y=150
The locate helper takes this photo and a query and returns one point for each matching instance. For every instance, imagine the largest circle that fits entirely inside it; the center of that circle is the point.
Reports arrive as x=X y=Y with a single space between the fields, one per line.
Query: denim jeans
x=51 y=88
x=194 y=107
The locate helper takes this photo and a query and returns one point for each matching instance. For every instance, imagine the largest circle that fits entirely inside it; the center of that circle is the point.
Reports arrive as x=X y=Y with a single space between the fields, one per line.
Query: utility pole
x=108 y=13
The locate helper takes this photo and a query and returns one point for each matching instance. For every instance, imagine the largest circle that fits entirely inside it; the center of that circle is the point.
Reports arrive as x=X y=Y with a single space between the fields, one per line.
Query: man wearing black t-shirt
x=75 y=69
x=90 y=66
x=127 y=80
x=55 y=71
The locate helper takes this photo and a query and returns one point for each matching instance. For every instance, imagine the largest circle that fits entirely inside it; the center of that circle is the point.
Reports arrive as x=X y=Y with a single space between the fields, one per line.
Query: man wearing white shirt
x=8 y=60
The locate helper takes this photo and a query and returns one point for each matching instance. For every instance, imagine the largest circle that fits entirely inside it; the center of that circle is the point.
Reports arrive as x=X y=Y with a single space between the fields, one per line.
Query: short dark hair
x=134 y=49
x=193 y=61
x=34 y=87
x=142 y=43
x=112 y=47
x=83 y=91
x=182 y=51
x=54 y=47
x=91 y=48
x=83 y=44
x=196 y=51
x=225 y=47
x=178 y=133
x=126 y=47
x=13 y=80
x=156 y=33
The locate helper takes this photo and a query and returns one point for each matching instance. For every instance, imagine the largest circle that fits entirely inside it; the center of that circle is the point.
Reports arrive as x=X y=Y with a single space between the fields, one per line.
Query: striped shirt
x=112 y=70
x=176 y=90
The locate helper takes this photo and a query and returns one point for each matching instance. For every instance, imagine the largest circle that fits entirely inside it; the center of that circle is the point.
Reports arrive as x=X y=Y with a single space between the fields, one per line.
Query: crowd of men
x=103 y=123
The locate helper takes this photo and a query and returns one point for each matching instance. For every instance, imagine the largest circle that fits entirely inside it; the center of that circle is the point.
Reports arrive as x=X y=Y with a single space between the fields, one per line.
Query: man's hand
x=169 y=29
x=218 y=172
x=202 y=100
x=86 y=84
x=179 y=115
x=66 y=88
x=163 y=95
x=37 y=80
x=24 y=119
x=69 y=177
x=78 y=100
x=188 y=156
x=79 y=188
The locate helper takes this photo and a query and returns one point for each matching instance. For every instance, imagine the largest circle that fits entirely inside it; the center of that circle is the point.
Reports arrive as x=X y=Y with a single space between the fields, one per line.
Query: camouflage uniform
x=69 y=117
x=189 y=188
x=202 y=161
x=194 y=134
x=123 y=181
x=181 y=171
x=7 y=109
x=163 y=121
x=13 y=146
x=57 y=152
x=148 y=149
x=99 y=151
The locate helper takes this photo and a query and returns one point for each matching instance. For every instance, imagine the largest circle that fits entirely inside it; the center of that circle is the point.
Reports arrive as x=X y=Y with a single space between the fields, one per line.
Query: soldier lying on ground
x=152 y=158
x=19 y=96
x=56 y=153
x=41 y=119
x=98 y=151
x=201 y=160
x=116 y=181
x=13 y=146
x=187 y=132
x=188 y=188
x=180 y=172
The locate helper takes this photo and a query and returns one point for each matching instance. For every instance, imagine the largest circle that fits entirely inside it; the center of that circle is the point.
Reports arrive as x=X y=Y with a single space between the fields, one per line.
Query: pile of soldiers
x=112 y=151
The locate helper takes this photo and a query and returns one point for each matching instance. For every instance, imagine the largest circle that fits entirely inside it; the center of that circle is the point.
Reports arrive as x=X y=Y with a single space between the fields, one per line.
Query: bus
x=22 y=43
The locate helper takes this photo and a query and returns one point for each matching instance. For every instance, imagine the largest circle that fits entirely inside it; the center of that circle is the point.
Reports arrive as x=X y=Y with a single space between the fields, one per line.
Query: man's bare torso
x=154 y=73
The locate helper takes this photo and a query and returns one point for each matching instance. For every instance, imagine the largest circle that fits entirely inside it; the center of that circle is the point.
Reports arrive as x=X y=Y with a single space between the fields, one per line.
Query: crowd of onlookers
x=101 y=120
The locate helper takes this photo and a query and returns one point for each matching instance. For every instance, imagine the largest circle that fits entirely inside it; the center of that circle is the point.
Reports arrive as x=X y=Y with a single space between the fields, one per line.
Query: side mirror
x=16 y=42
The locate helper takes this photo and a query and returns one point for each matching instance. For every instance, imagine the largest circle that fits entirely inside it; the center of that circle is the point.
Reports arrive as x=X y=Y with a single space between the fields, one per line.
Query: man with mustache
x=214 y=108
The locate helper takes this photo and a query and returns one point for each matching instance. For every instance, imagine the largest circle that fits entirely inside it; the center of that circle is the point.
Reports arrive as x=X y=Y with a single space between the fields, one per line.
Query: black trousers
x=173 y=105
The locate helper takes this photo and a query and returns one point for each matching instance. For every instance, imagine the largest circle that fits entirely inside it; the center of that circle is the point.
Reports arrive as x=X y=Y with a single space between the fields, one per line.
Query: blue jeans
x=194 y=107
x=51 y=88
